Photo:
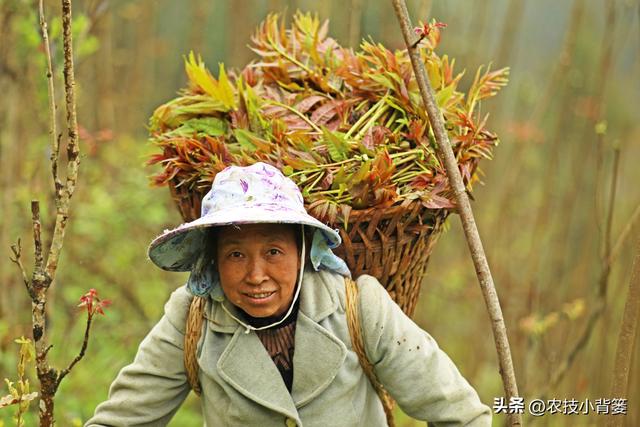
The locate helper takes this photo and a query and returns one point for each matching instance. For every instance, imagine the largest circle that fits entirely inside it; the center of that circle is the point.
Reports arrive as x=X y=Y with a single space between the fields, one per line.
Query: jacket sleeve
x=408 y=362
x=149 y=391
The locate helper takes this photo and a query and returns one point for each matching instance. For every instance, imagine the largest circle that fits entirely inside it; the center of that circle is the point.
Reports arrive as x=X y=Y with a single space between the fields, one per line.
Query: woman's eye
x=235 y=254
x=274 y=251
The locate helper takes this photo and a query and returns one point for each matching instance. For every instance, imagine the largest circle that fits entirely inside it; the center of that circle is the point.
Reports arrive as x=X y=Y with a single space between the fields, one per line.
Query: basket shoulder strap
x=357 y=341
x=191 y=337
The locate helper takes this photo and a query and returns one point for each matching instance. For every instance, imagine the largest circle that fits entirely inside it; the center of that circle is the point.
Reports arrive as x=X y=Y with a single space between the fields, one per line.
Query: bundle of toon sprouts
x=348 y=127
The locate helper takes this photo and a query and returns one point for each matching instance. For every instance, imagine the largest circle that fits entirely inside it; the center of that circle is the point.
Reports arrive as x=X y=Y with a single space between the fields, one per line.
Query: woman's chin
x=264 y=312
x=261 y=307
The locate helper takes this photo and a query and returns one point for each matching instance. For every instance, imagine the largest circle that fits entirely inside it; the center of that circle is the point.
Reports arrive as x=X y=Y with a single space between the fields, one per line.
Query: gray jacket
x=242 y=386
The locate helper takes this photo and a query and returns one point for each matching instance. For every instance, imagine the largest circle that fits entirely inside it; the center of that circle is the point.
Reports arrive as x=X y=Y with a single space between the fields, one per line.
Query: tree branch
x=626 y=338
x=17 y=259
x=38 y=280
x=624 y=234
x=83 y=349
x=73 y=151
x=606 y=265
x=39 y=286
x=53 y=133
x=445 y=153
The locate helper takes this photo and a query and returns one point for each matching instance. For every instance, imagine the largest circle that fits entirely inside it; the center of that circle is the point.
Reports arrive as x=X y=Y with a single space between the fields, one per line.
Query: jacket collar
x=317 y=358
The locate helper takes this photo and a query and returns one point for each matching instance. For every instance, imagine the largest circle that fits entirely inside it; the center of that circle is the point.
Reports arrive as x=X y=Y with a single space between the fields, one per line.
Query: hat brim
x=178 y=249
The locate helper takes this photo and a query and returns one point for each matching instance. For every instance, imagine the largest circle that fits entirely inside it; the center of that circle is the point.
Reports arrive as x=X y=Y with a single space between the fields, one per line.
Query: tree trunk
x=626 y=340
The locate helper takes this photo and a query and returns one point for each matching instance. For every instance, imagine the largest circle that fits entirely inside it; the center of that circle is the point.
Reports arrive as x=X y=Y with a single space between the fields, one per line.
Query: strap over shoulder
x=191 y=338
x=357 y=341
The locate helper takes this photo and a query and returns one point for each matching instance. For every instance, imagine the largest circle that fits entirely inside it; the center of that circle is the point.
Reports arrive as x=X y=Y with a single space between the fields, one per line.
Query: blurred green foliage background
x=568 y=123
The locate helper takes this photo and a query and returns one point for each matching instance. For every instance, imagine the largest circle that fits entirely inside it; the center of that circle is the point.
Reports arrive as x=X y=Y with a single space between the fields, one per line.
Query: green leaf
x=244 y=138
x=252 y=104
x=443 y=95
x=225 y=90
x=337 y=145
x=382 y=80
x=210 y=126
x=363 y=172
x=199 y=75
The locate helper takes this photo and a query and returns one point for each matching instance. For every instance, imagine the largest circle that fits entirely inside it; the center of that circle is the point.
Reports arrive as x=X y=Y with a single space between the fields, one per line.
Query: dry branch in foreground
x=445 y=152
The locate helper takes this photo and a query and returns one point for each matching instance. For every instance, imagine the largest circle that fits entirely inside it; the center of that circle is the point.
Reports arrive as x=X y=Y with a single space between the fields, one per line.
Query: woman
x=275 y=348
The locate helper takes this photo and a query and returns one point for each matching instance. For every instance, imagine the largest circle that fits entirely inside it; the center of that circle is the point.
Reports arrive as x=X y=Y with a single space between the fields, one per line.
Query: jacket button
x=290 y=422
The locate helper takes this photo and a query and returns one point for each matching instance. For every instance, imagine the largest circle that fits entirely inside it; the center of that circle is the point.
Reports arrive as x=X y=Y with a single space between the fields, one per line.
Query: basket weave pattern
x=392 y=244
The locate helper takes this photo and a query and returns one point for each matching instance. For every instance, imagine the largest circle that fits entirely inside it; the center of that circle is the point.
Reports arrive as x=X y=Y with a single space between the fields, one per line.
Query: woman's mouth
x=259 y=295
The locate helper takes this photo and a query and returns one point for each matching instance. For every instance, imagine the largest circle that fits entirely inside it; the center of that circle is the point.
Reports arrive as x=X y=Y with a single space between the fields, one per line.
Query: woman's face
x=258 y=266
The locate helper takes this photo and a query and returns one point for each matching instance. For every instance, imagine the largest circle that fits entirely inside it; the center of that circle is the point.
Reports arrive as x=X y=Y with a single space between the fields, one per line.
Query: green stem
x=297 y=113
x=402 y=171
x=391 y=119
x=324 y=167
x=289 y=57
x=397 y=128
x=405 y=153
x=310 y=188
x=405 y=160
x=407 y=178
x=337 y=190
x=308 y=177
x=372 y=121
x=364 y=117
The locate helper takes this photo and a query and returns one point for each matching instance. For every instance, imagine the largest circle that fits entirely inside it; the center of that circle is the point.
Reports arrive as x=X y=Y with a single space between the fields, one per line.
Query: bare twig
x=83 y=349
x=626 y=338
x=464 y=208
x=17 y=259
x=623 y=236
x=38 y=272
x=46 y=350
x=606 y=265
x=53 y=133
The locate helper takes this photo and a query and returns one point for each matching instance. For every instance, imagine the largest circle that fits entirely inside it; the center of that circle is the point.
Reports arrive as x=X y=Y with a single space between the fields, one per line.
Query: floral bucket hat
x=259 y=193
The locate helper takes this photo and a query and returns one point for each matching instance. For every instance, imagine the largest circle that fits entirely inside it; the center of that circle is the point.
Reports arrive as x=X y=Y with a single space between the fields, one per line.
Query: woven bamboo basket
x=392 y=244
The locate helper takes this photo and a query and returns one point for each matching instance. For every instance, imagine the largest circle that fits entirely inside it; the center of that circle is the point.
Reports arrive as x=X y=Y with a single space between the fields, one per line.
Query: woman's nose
x=257 y=272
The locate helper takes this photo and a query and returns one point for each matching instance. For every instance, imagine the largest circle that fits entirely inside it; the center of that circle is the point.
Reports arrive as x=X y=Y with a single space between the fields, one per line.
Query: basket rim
x=183 y=193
